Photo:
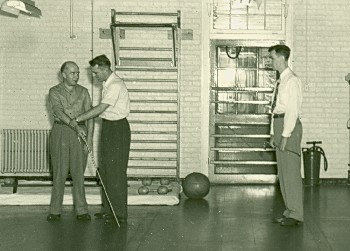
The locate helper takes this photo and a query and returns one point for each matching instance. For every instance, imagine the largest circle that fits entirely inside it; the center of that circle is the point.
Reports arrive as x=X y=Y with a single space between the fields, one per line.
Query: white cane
x=99 y=176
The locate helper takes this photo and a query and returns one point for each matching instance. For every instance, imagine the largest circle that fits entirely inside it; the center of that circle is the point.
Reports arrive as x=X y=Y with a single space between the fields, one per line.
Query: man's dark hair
x=101 y=60
x=281 y=49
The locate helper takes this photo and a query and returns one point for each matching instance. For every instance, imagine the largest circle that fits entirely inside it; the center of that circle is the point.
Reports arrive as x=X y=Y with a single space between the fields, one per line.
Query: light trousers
x=67 y=156
x=289 y=166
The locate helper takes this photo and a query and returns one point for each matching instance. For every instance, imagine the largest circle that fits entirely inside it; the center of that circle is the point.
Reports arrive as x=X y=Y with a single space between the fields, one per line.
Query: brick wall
x=33 y=50
x=321 y=49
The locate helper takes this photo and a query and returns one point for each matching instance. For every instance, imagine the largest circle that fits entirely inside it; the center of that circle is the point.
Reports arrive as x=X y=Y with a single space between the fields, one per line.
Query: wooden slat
x=247 y=162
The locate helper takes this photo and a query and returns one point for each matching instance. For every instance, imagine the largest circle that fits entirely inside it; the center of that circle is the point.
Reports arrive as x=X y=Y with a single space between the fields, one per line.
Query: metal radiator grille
x=25 y=152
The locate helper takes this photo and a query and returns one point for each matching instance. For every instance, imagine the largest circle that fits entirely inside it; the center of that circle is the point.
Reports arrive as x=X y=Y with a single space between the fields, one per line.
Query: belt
x=62 y=123
x=280 y=115
x=113 y=121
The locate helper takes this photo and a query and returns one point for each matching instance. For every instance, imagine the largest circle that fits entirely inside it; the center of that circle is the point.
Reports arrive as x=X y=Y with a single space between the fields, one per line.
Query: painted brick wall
x=321 y=58
x=32 y=51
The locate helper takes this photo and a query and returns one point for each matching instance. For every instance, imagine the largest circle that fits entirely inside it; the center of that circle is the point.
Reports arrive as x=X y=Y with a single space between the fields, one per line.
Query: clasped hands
x=80 y=131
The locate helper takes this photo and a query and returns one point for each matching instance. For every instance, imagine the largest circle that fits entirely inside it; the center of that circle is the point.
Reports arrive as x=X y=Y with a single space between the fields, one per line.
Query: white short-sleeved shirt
x=115 y=94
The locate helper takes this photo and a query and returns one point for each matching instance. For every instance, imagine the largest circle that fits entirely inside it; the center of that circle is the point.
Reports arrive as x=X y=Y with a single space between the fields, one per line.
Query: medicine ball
x=196 y=185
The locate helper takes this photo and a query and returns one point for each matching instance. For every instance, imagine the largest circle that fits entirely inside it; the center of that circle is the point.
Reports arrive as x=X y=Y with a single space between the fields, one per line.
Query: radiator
x=25 y=152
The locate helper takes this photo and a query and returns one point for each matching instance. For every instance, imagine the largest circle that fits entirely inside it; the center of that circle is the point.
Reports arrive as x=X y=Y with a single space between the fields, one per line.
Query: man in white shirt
x=286 y=134
x=115 y=138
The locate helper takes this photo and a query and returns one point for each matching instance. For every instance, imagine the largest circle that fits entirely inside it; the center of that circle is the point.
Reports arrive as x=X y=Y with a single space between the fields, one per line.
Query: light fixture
x=24 y=6
x=8 y=11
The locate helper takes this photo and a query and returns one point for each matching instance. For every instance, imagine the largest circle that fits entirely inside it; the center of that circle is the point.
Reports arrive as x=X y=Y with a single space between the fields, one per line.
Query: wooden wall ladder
x=146 y=48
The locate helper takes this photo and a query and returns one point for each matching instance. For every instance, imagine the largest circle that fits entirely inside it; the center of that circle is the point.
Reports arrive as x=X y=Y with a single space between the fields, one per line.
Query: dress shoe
x=121 y=220
x=102 y=216
x=53 y=217
x=83 y=217
x=289 y=222
x=278 y=219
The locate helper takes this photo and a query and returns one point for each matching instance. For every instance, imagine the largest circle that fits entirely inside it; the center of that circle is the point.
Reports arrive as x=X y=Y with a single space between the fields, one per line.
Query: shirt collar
x=110 y=79
x=285 y=72
x=64 y=88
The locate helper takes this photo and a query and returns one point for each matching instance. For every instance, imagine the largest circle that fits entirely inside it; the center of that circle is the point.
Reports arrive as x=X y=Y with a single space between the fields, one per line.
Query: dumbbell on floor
x=147 y=181
x=164 y=181
x=143 y=190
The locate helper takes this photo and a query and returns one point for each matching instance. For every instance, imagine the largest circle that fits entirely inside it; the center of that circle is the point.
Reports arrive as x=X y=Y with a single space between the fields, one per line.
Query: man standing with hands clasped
x=115 y=138
x=286 y=134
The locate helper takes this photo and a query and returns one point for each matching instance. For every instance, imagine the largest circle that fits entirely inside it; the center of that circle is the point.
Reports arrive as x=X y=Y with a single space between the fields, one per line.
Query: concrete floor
x=229 y=218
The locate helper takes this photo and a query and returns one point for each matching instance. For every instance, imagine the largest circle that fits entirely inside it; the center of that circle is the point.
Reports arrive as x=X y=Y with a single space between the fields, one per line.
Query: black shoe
x=102 y=215
x=278 y=219
x=111 y=220
x=83 y=217
x=53 y=217
x=289 y=222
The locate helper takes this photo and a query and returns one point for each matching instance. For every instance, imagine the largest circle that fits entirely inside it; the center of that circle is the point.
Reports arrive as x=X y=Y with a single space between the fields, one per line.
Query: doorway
x=241 y=88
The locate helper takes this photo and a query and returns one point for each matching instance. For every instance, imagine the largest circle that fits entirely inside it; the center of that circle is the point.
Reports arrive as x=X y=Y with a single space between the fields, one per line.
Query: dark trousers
x=288 y=166
x=115 y=148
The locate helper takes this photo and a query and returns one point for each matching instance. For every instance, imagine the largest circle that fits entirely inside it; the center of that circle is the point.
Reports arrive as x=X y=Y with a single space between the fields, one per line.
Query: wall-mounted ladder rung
x=145 y=59
x=246 y=162
x=242 y=149
x=153 y=69
x=153 y=158
x=144 y=25
x=241 y=136
x=154 y=132
x=145 y=49
x=153 y=111
x=153 y=150
x=151 y=80
x=151 y=167
x=154 y=141
x=253 y=102
x=153 y=90
x=154 y=101
x=243 y=89
x=135 y=13
x=152 y=122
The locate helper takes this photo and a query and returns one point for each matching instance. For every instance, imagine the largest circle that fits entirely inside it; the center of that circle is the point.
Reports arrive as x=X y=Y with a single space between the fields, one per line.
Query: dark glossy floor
x=230 y=218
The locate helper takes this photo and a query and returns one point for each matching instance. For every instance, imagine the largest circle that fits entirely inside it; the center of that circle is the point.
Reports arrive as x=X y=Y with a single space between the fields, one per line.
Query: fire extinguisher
x=312 y=160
